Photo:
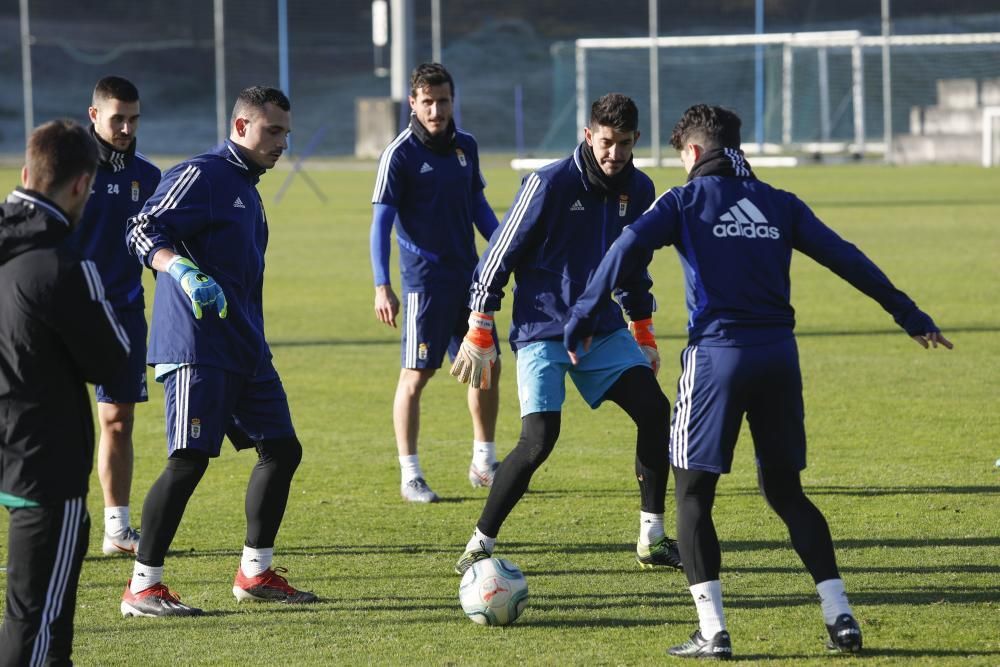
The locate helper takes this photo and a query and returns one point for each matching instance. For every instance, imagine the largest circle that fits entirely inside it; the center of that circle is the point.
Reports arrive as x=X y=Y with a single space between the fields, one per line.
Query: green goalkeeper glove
x=475 y=358
x=201 y=289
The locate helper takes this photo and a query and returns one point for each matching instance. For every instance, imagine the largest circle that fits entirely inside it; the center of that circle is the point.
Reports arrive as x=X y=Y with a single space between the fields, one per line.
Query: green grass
x=902 y=444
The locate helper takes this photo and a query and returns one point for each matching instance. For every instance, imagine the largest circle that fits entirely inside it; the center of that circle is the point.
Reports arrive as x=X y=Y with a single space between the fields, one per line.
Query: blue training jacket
x=208 y=209
x=435 y=197
x=123 y=183
x=735 y=237
x=552 y=239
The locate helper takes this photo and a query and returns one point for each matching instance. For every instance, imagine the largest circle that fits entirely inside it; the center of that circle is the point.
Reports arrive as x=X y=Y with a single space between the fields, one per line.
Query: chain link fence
x=513 y=61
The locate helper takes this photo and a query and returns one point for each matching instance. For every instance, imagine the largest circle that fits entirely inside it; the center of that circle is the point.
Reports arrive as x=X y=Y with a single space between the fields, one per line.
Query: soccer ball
x=493 y=592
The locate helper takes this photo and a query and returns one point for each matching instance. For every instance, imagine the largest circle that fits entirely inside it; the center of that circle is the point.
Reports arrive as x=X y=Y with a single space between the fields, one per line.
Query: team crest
x=195 y=428
x=461 y=157
x=422 y=351
x=135 y=190
x=622 y=205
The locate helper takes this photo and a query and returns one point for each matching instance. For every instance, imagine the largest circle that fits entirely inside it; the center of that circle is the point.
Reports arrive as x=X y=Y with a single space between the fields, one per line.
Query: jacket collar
x=595 y=179
x=232 y=154
x=580 y=167
x=722 y=162
x=442 y=144
x=38 y=200
x=109 y=156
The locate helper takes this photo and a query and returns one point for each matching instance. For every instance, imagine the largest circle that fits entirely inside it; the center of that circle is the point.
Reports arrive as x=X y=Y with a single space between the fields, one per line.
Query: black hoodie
x=56 y=333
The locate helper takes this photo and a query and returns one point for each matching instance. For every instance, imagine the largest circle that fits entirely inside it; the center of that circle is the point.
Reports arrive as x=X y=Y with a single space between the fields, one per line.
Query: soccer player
x=561 y=223
x=735 y=235
x=205 y=233
x=125 y=180
x=430 y=185
x=57 y=331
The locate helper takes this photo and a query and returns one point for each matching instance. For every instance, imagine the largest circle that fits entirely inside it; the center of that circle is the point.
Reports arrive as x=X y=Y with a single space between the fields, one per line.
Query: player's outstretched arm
x=475 y=358
x=921 y=328
x=932 y=339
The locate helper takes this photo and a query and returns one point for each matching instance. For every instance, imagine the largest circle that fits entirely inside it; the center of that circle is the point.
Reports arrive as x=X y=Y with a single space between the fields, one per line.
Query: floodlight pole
x=886 y=84
x=220 y=73
x=436 y=30
x=26 y=83
x=283 y=74
x=401 y=24
x=654 y=83
x=759 y=76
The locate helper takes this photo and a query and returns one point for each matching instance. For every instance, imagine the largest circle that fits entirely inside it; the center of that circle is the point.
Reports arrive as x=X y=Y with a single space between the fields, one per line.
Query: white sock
x=708 y=600
x=256 y=561
x=409 y=467
x=144 y=576
x=116 y=519
x=480 y=540
x=484 y=454
x=833 y=599
x=650 y=527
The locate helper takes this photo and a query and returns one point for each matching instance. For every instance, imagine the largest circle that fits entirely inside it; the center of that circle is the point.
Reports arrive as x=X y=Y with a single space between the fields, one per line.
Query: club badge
x=622 y=205
x=195 y=428
x=422 y=351
x=461 y=157
x=135 y=190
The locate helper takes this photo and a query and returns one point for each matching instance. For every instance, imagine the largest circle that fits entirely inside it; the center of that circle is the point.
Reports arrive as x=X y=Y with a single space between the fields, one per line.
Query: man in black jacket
x=57 y=332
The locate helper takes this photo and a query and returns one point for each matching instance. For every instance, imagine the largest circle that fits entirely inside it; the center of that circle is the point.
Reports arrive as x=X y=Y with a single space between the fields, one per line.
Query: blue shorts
x=542 y=368
x=129 y=384
x=433 y=323
x=206 y=403
x=718 y=385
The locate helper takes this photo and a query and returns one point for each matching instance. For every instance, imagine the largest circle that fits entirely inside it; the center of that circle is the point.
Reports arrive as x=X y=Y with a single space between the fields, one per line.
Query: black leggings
x=638 y=393
x=267 y=496
x=699 y=544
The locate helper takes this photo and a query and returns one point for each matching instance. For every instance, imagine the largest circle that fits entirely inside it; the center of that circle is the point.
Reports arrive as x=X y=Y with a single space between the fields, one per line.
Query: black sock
x=539 y=432
x=806 y=525
x=696 y=538
x=639 y=395
x=165 y=503
x=267 y=492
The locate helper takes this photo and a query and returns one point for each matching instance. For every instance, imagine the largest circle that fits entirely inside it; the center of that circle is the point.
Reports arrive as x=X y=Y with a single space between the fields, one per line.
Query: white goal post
x=821 y=43
x=991 y=128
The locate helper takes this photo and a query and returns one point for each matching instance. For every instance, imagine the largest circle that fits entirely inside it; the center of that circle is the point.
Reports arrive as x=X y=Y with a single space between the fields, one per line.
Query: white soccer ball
x=493 y=592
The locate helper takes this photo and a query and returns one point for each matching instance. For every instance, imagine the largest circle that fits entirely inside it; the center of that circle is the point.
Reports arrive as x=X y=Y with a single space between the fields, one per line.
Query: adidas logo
x=238 y=203
x=426 y=168
x=744 y=219
x=577 y=206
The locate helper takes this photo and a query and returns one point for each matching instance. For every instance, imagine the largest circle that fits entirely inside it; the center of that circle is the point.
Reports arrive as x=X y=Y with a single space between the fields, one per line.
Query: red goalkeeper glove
x=475 y=358
x=642 y=331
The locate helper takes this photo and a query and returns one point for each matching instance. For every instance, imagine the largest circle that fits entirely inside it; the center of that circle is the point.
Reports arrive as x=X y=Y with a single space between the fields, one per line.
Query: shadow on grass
x=886 y=331
x=623 y=550
x=893 y=203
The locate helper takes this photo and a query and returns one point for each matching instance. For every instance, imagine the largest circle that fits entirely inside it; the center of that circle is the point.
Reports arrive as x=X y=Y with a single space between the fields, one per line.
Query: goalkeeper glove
x=642 y=331
x=201 y=289
x=475 y=358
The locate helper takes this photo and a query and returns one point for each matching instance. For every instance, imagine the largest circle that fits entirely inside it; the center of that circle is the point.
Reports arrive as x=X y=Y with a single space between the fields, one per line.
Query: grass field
x=902 y=449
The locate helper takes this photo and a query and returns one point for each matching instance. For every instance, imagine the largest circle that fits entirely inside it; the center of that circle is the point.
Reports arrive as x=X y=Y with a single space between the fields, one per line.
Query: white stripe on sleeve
x=382 y=179
x=493 y=260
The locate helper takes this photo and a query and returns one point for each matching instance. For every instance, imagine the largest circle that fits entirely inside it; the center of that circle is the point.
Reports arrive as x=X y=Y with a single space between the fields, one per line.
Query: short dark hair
x=255 y=97
x=430 y=74
x=58 y=152
x=616 y=111
x=115 y=88
x=710 y=126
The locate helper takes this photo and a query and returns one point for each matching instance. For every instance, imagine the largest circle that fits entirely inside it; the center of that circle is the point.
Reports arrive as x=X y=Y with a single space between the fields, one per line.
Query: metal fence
x=512 y=59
